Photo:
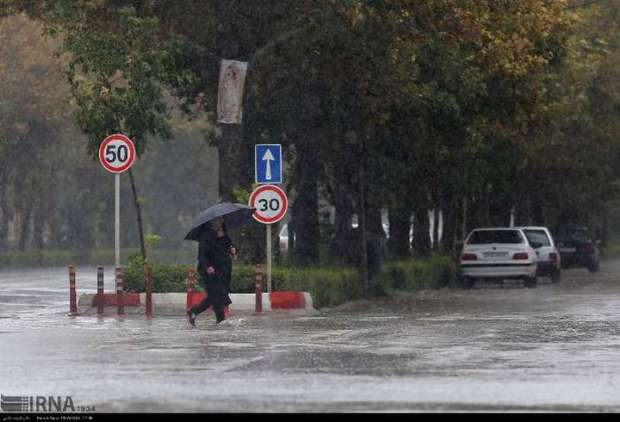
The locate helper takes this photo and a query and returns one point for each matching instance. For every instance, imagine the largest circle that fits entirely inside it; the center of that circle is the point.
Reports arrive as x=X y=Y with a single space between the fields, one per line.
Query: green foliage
x=115 y=76
x=241 y=195
x=328 y=286
x=166 y=278
x=611 y=251
x=410 y=275
x=426 y=103
x=151 y=240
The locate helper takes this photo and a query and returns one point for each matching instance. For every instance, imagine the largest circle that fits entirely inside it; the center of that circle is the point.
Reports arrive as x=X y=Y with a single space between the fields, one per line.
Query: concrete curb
x=176 y=303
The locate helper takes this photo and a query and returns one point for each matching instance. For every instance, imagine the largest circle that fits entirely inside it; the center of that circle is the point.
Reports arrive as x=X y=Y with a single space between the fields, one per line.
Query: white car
x=549 y=261
x=496 y=254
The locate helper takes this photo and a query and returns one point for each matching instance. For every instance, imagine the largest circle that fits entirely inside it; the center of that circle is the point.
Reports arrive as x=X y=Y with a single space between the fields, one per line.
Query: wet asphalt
x=554 y=348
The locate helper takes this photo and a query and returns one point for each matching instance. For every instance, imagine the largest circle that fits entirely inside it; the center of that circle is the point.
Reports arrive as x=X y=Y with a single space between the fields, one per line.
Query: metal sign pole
x=117 y=154
x=273 y=205
x=117 y=219
x=268 y=257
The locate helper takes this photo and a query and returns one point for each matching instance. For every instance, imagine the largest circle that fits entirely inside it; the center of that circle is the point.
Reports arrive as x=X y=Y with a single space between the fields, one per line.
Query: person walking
x=215 y=255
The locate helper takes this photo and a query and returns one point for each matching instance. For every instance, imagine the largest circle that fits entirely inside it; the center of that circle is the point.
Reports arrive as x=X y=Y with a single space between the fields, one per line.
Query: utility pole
x=362 y=220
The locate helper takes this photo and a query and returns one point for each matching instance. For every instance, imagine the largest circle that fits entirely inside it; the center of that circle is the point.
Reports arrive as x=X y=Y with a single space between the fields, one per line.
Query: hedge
x=410 y=275
x=329 y=286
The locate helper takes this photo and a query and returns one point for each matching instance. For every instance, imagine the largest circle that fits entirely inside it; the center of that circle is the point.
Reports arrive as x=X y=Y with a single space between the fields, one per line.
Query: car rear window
x=537 y=236
x=576 y=234
x=495 y=236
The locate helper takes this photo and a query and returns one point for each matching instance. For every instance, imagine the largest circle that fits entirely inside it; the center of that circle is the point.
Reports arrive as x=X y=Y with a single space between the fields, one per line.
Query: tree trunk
x=521 y=210
x=275 y=240
x=136 y=202
x=44 y=209
x=234 y=144
x=448 y=236
x=538 y=213
x=475 y=213
x=500 y=205
x=464 y=216
x=229 y=154
x=4 y=218
x=306 y=207
x=421 y=227
x=486 y=217
x=375 y=246
x=339 y=249
x=436 y=211
x=400 y=224
x=363 y=267
x=40 y=217
x=291 y=236
x=605 y=227
x=24 y=229
x=227 y=47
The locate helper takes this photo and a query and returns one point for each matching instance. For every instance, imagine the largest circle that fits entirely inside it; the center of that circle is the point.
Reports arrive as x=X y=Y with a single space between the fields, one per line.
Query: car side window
x=538 y=236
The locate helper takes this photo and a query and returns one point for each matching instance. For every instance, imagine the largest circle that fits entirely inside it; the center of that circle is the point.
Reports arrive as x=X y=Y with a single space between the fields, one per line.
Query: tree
x=33 y=108
x=116 y=66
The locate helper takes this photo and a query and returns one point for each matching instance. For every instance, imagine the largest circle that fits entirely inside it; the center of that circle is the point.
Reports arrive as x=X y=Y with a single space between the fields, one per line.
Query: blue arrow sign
x=268 y=163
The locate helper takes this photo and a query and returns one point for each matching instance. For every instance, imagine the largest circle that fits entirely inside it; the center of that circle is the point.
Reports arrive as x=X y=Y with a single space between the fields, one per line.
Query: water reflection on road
x=555 y=347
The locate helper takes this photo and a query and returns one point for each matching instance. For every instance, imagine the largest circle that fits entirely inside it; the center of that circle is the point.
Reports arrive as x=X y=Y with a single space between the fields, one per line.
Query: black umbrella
x=234 y=215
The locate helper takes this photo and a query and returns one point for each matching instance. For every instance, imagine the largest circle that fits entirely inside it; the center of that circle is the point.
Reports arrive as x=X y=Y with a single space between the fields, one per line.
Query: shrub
x=166 y=278
x=410 y=275
x=611 y=251
x=328 y=286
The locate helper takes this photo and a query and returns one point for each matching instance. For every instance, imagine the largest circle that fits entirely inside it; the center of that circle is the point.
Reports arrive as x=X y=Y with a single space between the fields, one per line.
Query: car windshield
x=481 y=237
x=537 y=236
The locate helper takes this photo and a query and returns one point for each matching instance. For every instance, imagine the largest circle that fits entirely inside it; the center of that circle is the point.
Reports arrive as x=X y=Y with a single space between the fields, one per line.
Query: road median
x=176 y=303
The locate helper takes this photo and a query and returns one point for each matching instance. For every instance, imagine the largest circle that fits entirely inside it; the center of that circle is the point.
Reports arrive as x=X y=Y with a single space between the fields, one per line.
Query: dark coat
x=214 y=252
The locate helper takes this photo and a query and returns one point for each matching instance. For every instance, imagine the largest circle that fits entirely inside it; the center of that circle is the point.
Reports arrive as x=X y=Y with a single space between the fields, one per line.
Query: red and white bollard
x=191 y=279
x=100 y=296
x=259 y=288
x=72 y=293
x=119 y=292
x=149 y=292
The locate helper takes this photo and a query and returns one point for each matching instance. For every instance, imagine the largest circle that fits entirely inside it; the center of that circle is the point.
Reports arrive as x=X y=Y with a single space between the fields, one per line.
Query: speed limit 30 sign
x=270 y=203
x=117 y=153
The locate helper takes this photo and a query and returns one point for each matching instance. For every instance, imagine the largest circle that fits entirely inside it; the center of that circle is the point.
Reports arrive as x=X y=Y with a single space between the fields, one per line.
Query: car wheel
x=556 y=276
x=530 y=282
x=466 y=282
x=594 y=267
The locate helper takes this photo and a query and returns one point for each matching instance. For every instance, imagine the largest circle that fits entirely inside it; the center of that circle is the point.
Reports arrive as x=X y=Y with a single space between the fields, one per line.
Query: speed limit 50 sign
x=270 y=203
x=117 y=153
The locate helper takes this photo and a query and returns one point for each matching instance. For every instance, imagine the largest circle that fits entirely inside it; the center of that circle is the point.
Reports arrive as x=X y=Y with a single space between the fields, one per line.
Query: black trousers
x=217 y=298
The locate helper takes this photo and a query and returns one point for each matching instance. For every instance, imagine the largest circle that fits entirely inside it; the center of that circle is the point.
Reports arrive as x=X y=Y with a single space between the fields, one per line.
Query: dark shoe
x=220 y=316
x=191 y=318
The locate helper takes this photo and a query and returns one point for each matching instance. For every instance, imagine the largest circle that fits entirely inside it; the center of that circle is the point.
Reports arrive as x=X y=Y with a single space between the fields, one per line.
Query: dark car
x=577 y=247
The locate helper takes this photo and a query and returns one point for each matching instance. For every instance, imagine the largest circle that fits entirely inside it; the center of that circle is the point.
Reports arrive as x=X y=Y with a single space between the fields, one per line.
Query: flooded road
x=552 y=348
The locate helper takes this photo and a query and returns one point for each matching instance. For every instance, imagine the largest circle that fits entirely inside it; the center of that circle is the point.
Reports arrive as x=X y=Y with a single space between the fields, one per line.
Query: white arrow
x=269 y=158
